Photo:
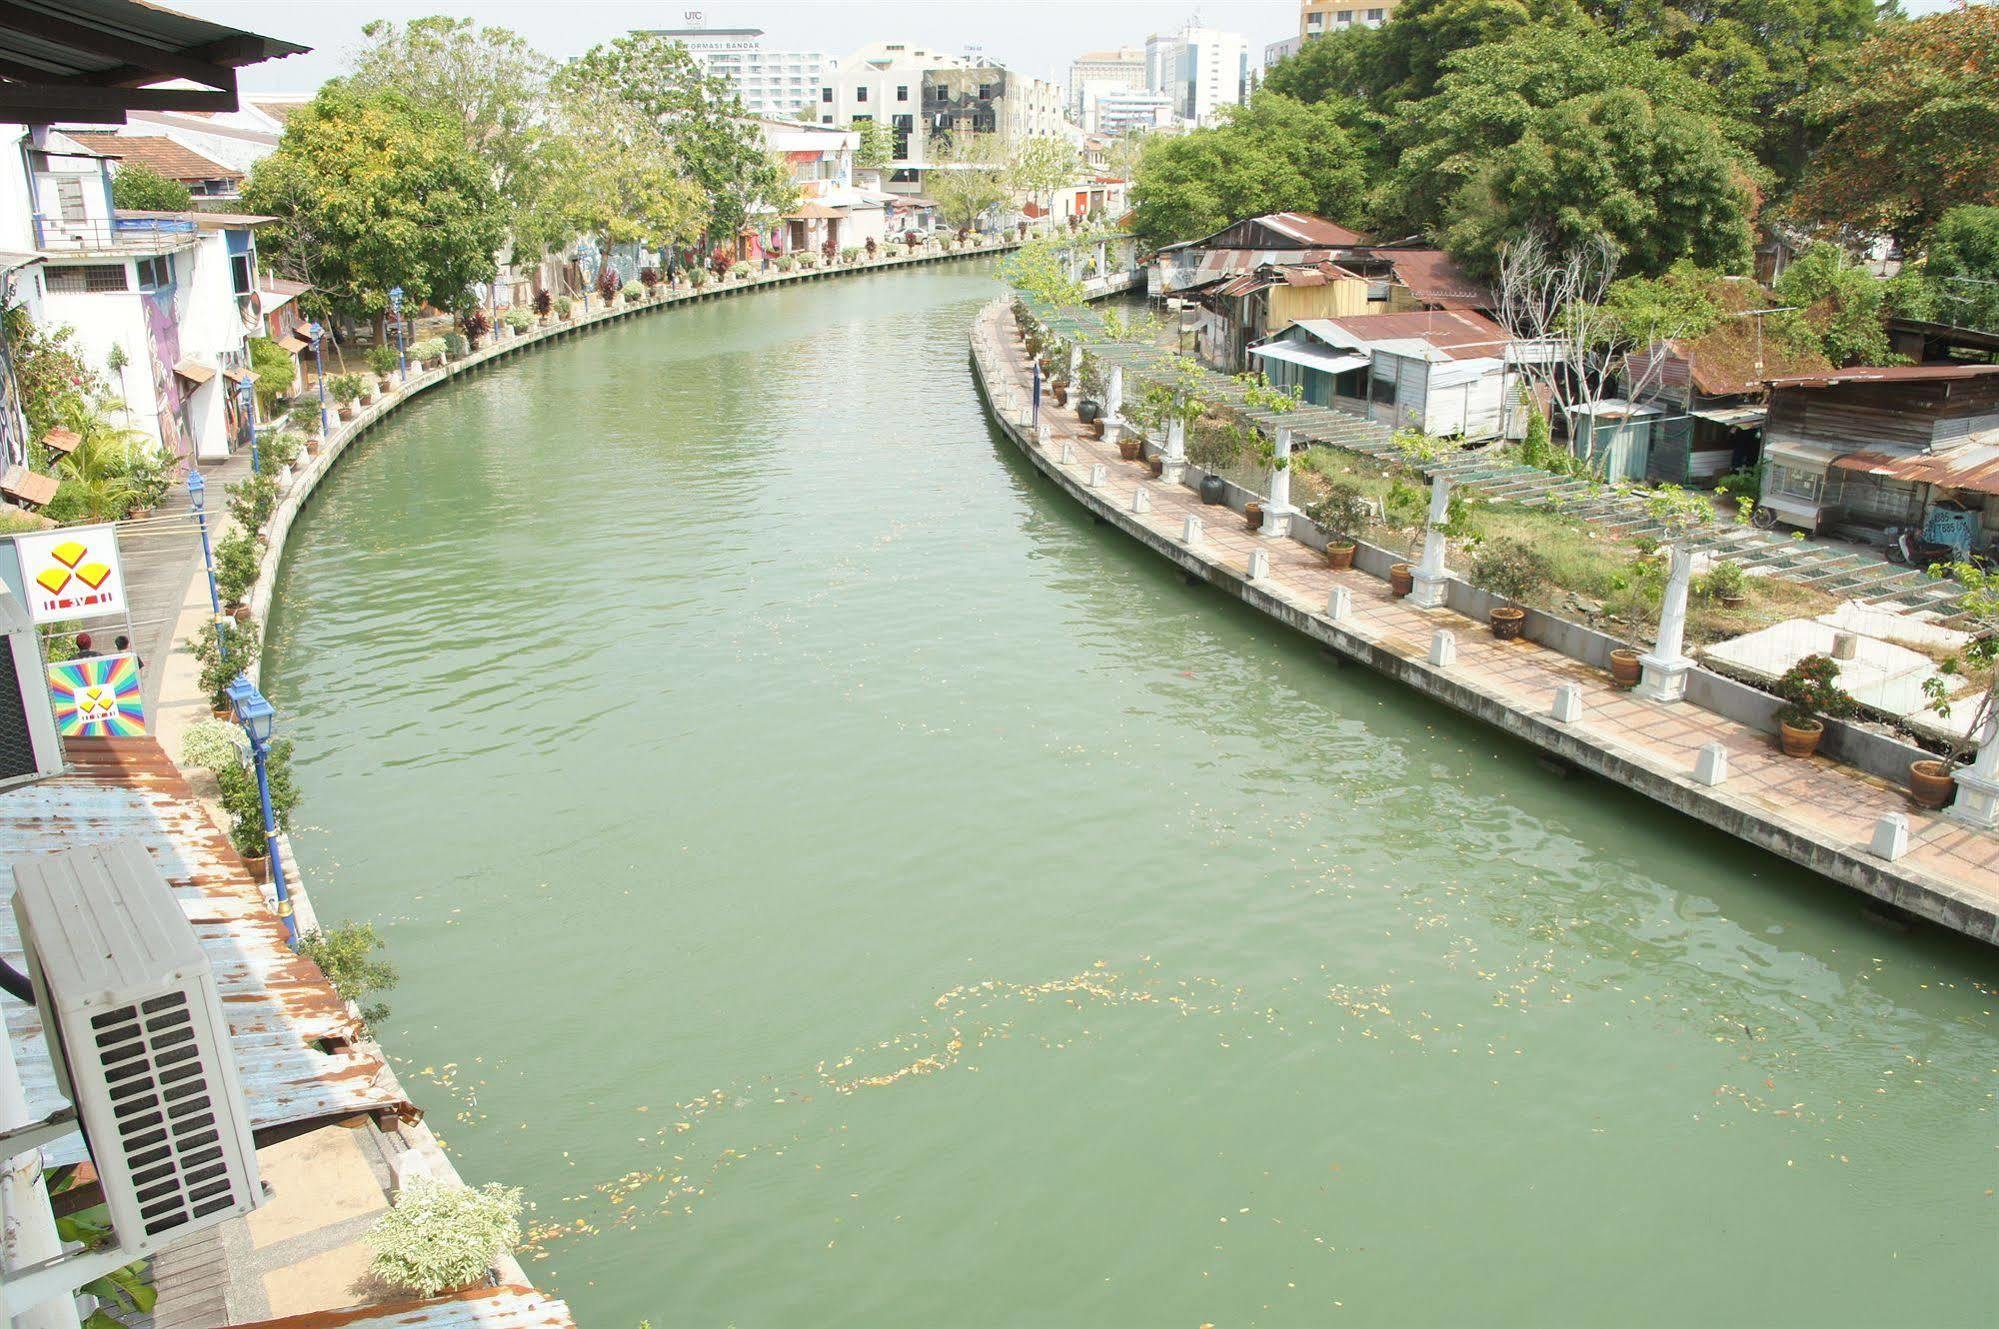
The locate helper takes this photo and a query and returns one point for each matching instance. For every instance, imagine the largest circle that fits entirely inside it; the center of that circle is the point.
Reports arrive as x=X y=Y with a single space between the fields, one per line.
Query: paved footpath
x=1816 y=800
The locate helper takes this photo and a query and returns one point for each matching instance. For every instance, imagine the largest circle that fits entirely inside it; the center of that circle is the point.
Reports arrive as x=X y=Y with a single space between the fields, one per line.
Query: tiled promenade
x=1814 y=811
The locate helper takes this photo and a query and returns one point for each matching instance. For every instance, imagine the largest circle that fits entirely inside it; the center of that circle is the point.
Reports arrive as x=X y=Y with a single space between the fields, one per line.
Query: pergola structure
x=91 y=61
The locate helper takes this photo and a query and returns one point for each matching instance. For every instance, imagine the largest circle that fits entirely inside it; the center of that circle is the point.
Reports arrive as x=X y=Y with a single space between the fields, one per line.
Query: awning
x=1331 y=362
x=814 y=212
x=194 y=371
x=1733 y=417
x=61 y=442
x=290 y=344
x=1810 y=458
x=27 y=488
x=235 y=375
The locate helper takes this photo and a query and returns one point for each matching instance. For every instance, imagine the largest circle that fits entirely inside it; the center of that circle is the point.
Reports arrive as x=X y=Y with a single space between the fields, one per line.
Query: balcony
x=128 y=236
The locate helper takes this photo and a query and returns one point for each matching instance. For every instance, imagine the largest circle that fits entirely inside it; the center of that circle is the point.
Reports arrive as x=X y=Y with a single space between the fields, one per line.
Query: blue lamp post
x=197 y=496
x=315 y=334
x=247 y=392
x=396 y=308
x=257 y=717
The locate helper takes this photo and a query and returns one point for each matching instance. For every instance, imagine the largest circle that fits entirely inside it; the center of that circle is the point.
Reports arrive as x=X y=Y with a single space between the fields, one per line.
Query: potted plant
x=475 y=324
x=384 y=361
x=649 y=279
x=608 y=286
x=1811 y=694
x=1252 y=515
x=519 y=320
x=345 y=388
x=443 y=1236
x=1726 y=582
x=367 y=395
x=1342 y=512
x=455 y=346
x=217 y=670
x=236 y=565
x=1930 y=781
x=244 y=804
x=631 y=292
x=564 y=307
x=1401 y=579
x=542 y=304
x=1512 y=569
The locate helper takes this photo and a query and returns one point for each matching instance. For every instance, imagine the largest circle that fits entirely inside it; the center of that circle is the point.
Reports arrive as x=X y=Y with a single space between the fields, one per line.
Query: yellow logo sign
x=72 y=573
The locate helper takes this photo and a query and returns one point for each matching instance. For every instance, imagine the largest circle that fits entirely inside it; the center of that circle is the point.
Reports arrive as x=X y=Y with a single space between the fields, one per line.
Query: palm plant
x=107 y=469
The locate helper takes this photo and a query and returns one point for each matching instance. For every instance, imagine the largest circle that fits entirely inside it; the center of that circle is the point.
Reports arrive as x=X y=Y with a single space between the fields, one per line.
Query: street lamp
x=258 y=718
x=315 y=334
x=247 y=391
x=396 y=307
x=197 y=495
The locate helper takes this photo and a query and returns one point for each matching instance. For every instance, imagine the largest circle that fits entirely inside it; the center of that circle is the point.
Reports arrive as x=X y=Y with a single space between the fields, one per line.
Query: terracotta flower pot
x=1507 y=622
x=1732 y=601
x=1129 y=448
x=1624 y=667
x=1401 y=579
x=1158 y=465
x=1252 y=514
x=1800 y=740
x=241 y=613
x=347 y=411
x=259 y=867
x=1061 y=395
x=1930 y=784
x=1096 y=429
x=1339 y=554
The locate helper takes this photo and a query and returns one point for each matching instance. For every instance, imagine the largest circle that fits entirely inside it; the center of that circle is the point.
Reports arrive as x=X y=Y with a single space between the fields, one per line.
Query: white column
x=29 y=1234
x=1103 y=259
x=1277 y=513
x=1175 y=458
x=1114 y=406
x=1978 y=784
x=1665 y=676
x=1430 y=582
x=1076 y=370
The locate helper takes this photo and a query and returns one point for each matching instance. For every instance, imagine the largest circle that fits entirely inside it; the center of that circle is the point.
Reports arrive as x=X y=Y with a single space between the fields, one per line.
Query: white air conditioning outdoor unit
x=29 y=748
x=135 y=1028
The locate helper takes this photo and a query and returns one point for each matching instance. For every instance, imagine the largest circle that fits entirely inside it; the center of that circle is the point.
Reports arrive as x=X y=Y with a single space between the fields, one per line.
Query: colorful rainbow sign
x=98 y=697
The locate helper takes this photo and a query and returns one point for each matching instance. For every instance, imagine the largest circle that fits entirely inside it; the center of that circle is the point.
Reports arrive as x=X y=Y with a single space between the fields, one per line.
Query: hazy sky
x=1035 y=36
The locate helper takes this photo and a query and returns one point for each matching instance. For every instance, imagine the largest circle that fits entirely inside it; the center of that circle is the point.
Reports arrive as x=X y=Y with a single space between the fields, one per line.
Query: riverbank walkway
x=1812 y=811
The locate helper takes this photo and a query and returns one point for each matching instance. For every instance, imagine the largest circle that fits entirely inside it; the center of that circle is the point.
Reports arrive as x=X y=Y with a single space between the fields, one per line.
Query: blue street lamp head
x=256 y=715
x=311 y=331
x=197 y=488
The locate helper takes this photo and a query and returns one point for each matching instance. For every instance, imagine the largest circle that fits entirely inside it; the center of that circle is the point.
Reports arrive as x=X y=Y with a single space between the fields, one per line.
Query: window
x=860 y=94
x=87 y=278
x=1788 y=483
x=825 y=94
x=825 y=119
x=240 y=273
x=902 y=92
x=902 y=175
x=864 y=119
x=155 y=273
x=69 y=197
x=1375 y=15
x=985 y=92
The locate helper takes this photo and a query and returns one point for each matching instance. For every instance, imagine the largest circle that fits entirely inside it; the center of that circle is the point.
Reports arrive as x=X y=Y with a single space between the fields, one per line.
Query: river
x=845 y=887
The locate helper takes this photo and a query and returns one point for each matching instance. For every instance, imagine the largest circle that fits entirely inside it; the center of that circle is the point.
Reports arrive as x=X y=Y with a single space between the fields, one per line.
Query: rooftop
x=157 y=152
x=1885 y=374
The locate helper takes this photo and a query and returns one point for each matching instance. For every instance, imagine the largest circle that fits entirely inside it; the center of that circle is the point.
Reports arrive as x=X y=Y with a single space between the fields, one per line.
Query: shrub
x=1342 y=512
x=849 y=254
x=474 y=323
x=563 y=304
x=427 y=350
x=1511 y=568
x=519 y=319
x=608 y=284
x=276 y=373
x=236 y=560
x=251 y=501
x=632 y=292
x=345 y=388
x=441 y=1236
x=213 y=745
x=542 y=303
x=245 y=807
x=455 y=344
x=383 y=359
x=1811 y=693
x=1723 y=579
x=739 y=271
x=345 y=956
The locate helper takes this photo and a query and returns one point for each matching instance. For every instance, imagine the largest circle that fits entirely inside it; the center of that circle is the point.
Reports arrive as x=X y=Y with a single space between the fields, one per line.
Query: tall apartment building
x=1201 y=69
x=926 y=94
x=768 y=82
x=1104 y=71
x=1318 y=17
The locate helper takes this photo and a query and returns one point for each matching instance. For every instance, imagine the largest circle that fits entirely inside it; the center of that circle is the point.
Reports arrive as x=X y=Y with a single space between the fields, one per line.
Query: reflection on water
x=846 y=886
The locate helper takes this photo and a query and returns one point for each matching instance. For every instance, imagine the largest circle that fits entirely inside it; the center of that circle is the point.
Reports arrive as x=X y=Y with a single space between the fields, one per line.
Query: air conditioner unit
x=29 y=748
x=134 y=1024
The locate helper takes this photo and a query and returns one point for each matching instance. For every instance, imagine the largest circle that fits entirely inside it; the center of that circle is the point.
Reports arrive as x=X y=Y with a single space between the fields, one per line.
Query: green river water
x=845 y=887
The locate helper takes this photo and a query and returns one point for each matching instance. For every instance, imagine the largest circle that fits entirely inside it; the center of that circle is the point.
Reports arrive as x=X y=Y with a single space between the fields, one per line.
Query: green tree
x=1841 y=305
x=1957 y=280
x=346 y=956
x=372 y=191
x=1911 y=124
x=1271 y=155
x=1040 y=165
x=973 y=181
x=877 y=148
x=618 y=177
x=142 y=189
x=275 y=371
x=717 y=145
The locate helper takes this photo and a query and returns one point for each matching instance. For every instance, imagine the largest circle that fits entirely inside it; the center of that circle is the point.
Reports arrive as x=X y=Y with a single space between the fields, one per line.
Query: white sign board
x=71 y=572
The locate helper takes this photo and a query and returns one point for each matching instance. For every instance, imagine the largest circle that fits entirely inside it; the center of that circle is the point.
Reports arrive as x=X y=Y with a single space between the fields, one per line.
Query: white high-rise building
x=1104 y=70
x=1201 y=69
x=778 y=83
x=1111 y=109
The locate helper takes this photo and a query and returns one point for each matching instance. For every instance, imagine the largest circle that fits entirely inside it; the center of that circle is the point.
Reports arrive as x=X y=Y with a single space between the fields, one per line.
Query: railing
x=125 y=235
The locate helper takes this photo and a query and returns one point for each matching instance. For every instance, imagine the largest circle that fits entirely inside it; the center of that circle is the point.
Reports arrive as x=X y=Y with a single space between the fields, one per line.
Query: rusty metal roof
x=482 y=1308
x=1973 y=466
x=282 y=1012
x=1885 y=374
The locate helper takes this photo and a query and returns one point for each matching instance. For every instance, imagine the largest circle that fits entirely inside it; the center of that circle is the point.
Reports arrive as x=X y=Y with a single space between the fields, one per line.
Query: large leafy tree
x=615 y=175
x=1912 y=122
x=489 y=80
x=717 y=145
x=1272 y=155
x=973 y=178
x=143 y=189
x=1840 y=305
x=1958 y=278
x=1402 y=61
x=373 y=190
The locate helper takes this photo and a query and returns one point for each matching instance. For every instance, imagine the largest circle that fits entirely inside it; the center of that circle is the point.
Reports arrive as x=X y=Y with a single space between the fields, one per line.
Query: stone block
x=1339 y=604
x=1259 y=564
x=1891 y=836
x=1140 y=500
x=1097 y=474
x=1444 y=648
x=1190 y=534
x=1711 y=764
x=1568 y=703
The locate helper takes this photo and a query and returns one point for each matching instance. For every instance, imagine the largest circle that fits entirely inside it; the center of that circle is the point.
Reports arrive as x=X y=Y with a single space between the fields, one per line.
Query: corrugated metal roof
x=280 y=1007
x=1885 y=374
x=1973 y=466
x=483 y=1308
x=1458 y=334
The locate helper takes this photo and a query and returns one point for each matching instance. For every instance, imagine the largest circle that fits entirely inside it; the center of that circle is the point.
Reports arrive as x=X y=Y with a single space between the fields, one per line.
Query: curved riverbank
x=1815 y=813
